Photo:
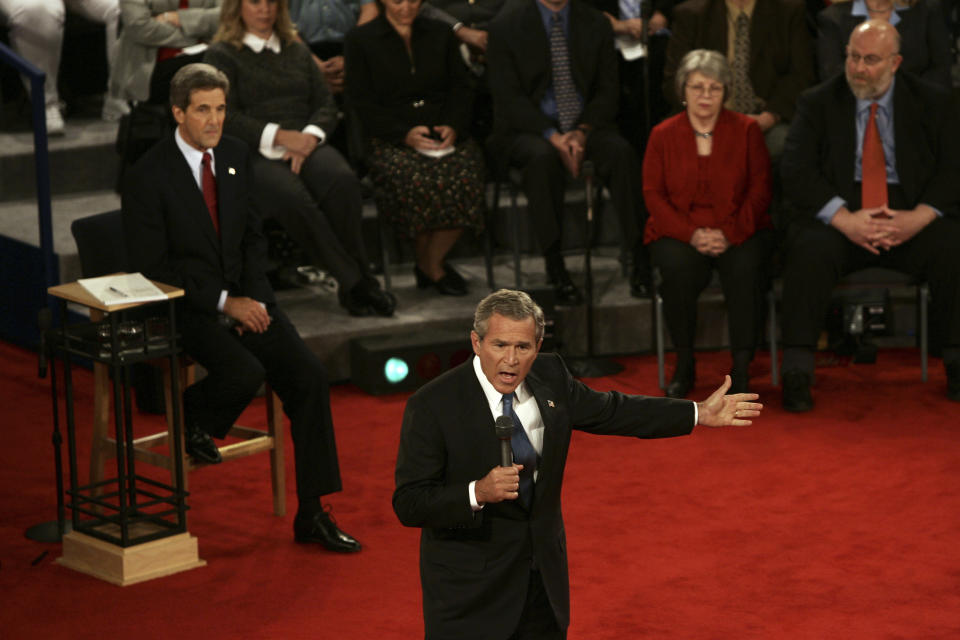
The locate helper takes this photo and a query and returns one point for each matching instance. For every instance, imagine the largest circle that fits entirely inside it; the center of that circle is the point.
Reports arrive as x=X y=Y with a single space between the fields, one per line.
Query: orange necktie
x=873 y=165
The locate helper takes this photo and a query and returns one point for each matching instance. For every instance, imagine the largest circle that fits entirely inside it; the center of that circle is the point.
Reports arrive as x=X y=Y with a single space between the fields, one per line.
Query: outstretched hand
x=720 y=409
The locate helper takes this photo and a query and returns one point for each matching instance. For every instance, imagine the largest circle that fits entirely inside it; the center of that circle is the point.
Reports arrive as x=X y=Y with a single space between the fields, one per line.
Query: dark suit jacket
x=392 y=95
x=519 y=73
x=924 y=40
x=820 y=151
x=170 y=236
x=475 y=567
x=781 y=59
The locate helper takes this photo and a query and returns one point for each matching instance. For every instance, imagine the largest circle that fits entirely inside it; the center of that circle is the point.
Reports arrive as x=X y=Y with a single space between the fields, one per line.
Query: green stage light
x=395 y=370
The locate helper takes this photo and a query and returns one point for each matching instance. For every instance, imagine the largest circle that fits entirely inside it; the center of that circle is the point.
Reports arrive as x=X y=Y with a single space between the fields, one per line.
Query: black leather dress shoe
x=953 y=380
x=199 y=444
x=382 y=302
x=641 y=283
x=796 y=392
x=323 y=530
x=563 y=287
x=681 y=382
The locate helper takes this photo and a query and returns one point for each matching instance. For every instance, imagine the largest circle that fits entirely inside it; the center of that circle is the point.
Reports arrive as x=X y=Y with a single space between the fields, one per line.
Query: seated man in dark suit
x=189 y=221
x=553 y=75
x=768 y=47
x=870 y=171
x=493 y=561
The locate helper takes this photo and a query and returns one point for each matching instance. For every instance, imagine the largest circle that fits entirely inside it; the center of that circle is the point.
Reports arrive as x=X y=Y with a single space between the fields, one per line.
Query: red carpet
x=840 y=523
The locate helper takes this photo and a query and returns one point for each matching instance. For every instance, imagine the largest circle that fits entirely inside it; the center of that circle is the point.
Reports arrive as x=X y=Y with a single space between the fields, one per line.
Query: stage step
x=82 y=160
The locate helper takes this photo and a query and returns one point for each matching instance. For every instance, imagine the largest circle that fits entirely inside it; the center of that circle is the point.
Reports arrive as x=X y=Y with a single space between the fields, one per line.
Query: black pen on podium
x=118 y=292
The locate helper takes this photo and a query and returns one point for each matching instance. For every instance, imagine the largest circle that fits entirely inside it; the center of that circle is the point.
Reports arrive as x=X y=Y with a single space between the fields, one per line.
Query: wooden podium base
x=123 y=566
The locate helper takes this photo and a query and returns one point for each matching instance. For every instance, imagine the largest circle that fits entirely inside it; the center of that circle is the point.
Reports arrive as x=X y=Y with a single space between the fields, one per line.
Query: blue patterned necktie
x=564 y=91
x=629 y=9
x=523 y=452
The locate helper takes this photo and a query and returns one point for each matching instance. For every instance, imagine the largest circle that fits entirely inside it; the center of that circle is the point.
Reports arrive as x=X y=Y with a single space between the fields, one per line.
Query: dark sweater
x=286 y=88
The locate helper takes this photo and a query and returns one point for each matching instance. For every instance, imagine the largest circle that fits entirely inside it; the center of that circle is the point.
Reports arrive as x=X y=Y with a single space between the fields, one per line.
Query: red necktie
x=210 y=191
x=873 y=165
x=165 y=53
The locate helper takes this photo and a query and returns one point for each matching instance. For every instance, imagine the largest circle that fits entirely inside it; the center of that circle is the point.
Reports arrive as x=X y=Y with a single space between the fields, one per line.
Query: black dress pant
x=236 y=367
x=544 y=178
x=818 y=255
x=320 y=208
x=537 y=622
x=744 y=277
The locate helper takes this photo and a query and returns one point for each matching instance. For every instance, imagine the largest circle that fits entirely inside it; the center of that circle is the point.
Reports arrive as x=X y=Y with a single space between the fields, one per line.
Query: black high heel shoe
x=451 y=284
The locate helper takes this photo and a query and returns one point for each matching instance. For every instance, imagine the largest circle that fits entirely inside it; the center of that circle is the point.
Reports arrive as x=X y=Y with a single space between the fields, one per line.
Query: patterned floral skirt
x=418 y=193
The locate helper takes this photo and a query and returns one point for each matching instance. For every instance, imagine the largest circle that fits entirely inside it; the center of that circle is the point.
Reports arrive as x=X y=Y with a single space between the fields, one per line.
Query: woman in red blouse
x=707 y=186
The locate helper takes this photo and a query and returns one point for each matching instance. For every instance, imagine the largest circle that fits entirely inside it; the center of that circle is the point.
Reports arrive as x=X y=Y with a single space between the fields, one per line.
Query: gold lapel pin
x=551 y=405
x=232 y=171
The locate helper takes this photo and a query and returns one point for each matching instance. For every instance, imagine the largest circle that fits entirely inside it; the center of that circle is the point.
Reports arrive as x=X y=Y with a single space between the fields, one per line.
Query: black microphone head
x=504 y=427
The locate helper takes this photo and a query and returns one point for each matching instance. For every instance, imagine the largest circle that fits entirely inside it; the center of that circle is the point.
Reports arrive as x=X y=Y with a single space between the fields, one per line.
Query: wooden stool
x=251 y=440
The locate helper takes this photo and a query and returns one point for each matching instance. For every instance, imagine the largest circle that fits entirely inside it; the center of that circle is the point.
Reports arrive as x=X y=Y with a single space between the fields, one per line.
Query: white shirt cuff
x=471 y=490
x=316 y=132
x=267 y=150
x=696 y=414
x=222 y=301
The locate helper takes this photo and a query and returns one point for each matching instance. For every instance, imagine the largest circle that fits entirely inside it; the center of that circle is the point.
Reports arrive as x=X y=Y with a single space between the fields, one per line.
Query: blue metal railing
x=41 y=159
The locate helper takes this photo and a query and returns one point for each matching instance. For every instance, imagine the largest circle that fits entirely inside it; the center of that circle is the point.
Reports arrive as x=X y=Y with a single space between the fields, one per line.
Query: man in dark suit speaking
x=493 y=559
x=189 y=222
x=870 y=171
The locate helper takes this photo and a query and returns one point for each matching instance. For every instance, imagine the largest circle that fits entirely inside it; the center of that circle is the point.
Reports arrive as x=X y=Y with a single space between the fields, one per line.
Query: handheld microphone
x=504 y=429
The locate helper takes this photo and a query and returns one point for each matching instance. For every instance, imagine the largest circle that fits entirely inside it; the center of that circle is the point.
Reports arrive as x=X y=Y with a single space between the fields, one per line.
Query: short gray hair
x=710 y=63
x=509 y=303
x=197 y=76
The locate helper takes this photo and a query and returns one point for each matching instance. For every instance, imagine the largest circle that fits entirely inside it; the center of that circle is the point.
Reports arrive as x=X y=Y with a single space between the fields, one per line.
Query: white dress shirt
x=525 y=406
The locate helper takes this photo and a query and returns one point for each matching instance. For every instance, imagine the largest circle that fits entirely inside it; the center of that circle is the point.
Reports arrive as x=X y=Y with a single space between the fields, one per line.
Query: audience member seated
x=282 y=108
x=641 y=78
x=427 y=173
x=189 y=222
x=36 y=33
x=870 y=169
x=323 y=24
x=706 y=181
x=553 y=76
x=924 y=38
x=151 y=46
x=768 y=47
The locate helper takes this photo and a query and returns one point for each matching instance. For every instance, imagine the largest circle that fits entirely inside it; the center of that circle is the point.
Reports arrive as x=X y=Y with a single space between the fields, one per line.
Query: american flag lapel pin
x=551 y=405
x=232 y=171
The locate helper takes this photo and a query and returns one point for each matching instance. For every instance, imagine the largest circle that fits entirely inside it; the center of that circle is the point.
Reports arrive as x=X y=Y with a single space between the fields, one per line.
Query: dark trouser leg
x=317 y=216
x=617 y=165
x=743 y=277
x=686 y=272
x=538 y=622
x=299 y=378
x=233 y=374
x=817 y=256
x=543 y=181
